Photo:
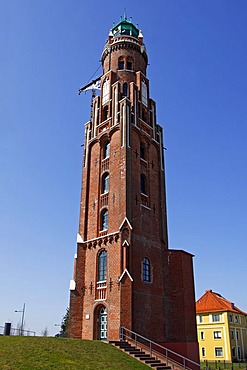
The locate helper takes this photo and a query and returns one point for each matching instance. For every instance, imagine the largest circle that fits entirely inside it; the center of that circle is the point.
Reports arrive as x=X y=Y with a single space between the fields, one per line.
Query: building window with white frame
x=200 y=318
x=106 y=91
x=202 y=335
x=230 y=318
x=217 y=334
x=203 y=352
x=232 y=334
x=215 y=317
x=236 y=319
x=218 y=352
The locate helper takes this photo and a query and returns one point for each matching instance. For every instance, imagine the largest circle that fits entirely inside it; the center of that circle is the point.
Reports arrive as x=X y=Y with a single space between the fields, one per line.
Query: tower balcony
x=105 y=165
x=101 y=290
x=104 y=200
x=144 y=200
x=105 y=125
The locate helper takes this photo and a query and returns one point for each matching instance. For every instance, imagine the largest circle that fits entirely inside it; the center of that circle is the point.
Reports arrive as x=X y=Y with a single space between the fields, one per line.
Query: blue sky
x=198 y=58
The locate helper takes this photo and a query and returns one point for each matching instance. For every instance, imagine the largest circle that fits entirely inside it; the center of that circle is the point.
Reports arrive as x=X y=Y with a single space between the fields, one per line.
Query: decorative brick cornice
x=97 y=242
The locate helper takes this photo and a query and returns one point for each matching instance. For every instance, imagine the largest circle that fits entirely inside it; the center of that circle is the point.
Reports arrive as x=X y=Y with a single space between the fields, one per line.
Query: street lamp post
x=22 y=318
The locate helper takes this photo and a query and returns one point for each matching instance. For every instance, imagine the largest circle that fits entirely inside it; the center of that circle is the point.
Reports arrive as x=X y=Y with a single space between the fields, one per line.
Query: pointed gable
x=128 y=274
x=125 y=222
x=214 y=302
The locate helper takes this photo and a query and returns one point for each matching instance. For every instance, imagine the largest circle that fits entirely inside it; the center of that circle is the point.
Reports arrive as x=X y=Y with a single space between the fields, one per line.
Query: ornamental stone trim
x=97 y=242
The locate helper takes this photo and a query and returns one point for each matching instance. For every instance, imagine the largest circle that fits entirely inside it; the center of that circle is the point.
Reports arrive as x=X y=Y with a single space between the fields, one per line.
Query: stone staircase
x=141 y=355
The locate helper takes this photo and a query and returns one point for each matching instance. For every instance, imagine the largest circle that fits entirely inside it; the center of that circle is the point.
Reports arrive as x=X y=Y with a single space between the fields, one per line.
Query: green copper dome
x=125 y=27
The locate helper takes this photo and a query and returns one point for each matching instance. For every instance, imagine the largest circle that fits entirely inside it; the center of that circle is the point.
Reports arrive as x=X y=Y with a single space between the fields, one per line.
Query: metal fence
x=223 y=365
x=18 y=332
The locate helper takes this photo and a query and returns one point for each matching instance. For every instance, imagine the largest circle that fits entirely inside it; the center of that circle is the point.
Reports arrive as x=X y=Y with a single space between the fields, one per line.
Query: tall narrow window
x=105 y=113
x=144 y=93
x=125 y=89
x=146 y=276
x=129 y=65
x=106 y=152
x=102 y=266
x=143 y=184
x=142 y=151
x=104 y=219
x=105 y=183
x=203 y=352
x=121 y=64
x=106 y=91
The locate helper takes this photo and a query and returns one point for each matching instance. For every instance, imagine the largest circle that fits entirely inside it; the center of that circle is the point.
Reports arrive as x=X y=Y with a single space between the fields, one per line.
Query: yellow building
x=221 y=329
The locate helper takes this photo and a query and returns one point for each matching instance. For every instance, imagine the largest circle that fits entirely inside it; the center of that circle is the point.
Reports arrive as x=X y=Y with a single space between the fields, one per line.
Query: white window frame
x=215 y=317
x=217 y=334
x=218 y=352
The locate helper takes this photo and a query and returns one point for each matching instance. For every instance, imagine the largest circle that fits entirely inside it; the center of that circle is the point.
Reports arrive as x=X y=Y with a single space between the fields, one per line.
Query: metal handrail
x=131 y=335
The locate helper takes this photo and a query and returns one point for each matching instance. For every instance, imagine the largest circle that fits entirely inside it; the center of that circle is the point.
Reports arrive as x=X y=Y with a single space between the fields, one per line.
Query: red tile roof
x=212 y=302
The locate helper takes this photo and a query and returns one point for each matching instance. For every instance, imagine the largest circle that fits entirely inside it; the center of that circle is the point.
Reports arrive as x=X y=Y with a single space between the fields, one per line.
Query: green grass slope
x=38 y=353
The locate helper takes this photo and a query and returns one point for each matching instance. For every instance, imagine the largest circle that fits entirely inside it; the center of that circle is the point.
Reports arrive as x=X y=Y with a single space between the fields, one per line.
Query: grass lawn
x=38 y=353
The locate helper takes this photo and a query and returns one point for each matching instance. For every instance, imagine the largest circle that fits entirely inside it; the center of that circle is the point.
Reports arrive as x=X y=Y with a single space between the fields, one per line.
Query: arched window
x=104 y=219
x=106 y=151
x=105 y=113
x=105 y=183
x=102 y=266
x=125 y=89
x=106 y=91
x=143 y=184
x=142 y=151
x=144 y=93
x=129 y=65
x=120 y=63
x=146 y=275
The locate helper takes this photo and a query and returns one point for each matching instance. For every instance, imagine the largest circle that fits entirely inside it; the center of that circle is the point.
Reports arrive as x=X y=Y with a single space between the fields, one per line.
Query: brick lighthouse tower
x=125 y=275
